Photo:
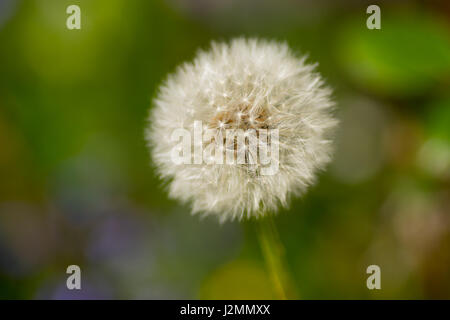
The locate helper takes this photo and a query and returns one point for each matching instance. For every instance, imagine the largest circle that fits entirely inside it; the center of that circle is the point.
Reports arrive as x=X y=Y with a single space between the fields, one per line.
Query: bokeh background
x=77 y=184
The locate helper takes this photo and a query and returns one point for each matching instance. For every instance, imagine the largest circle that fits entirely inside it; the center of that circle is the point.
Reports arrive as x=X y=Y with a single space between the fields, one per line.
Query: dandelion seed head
x=247 y=84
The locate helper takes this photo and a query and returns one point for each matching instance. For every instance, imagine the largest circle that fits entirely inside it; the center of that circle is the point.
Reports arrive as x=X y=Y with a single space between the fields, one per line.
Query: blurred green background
x=77 y=185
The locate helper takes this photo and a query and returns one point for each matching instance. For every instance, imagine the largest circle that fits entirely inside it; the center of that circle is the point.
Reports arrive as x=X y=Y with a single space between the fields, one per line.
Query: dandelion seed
x=276 y=86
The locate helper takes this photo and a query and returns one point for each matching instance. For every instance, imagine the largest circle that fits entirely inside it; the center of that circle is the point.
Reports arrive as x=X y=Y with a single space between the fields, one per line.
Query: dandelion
x=247 y=84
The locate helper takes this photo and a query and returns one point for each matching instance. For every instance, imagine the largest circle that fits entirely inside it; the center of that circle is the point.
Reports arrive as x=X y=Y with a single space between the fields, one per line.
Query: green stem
x=273 y=252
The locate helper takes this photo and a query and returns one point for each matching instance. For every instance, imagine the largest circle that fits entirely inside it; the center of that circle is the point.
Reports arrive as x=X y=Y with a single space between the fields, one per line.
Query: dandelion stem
x=273 y=252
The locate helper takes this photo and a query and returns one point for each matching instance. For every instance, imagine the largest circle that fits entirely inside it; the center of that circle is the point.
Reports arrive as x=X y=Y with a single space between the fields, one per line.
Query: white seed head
x=245 y=84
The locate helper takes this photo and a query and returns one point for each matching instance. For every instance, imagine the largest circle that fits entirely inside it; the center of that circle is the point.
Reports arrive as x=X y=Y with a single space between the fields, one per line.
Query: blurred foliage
x=238 y=280
x=410 y=56
x=77 y=185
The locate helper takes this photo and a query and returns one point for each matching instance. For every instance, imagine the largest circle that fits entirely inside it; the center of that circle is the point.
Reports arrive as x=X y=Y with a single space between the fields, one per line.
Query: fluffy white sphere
x=244 y=84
